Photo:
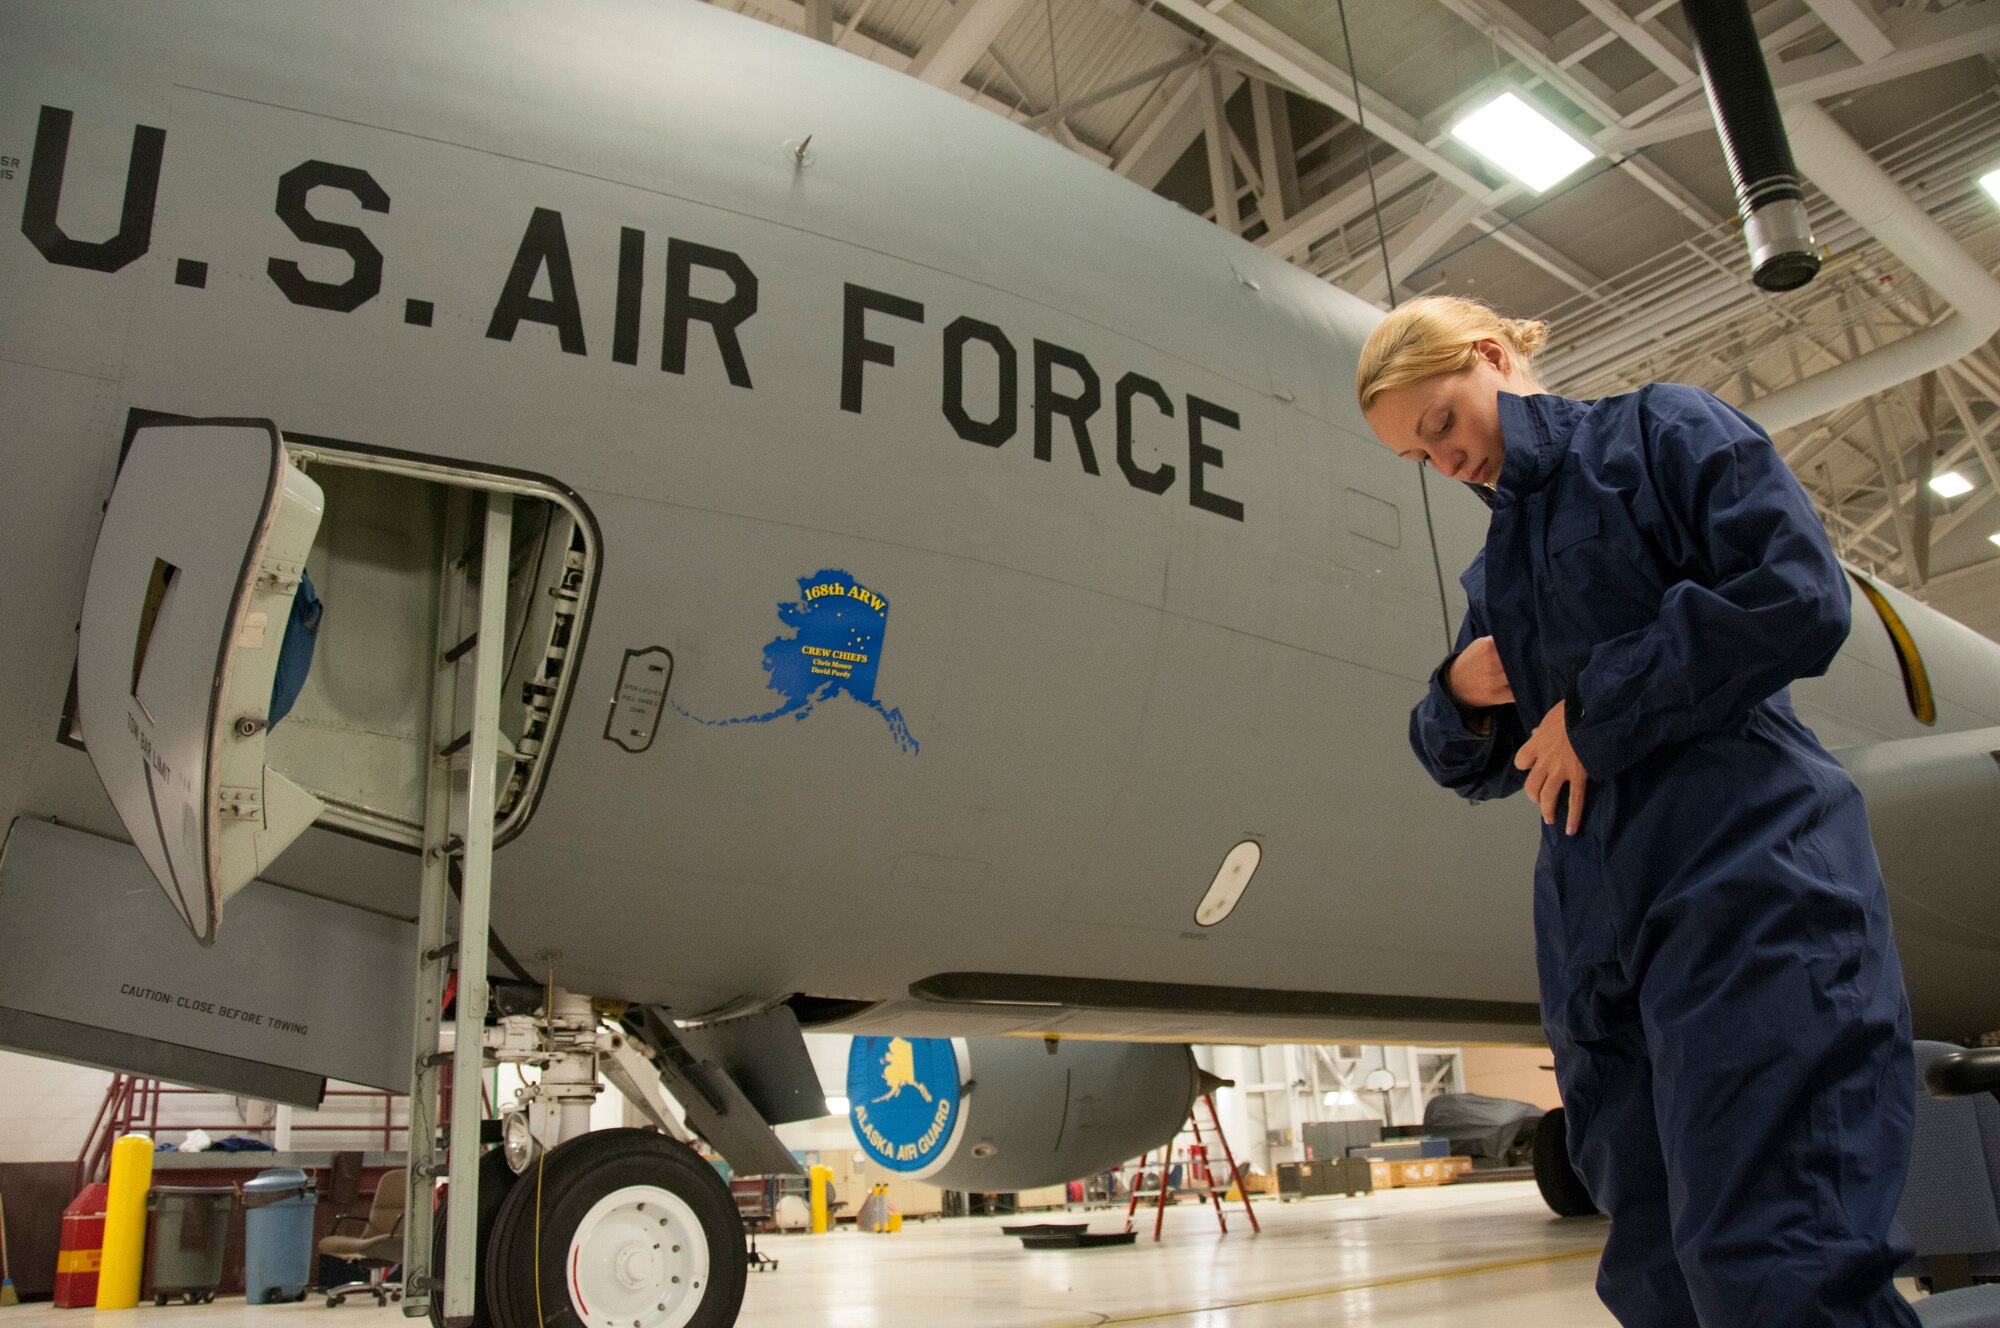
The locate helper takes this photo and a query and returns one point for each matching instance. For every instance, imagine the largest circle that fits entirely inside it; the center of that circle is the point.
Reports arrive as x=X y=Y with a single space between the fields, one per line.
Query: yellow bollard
x=125 y=1223
x=821 y=1178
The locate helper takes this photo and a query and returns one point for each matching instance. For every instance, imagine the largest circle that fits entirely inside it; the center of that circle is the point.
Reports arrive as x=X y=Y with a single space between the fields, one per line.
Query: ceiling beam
x=1276 y=155
x=1855 y=25
x=1429 y=231
x=1221 y=170
x=1172 y=129
x=958 y=38
x=1118 y=88
x=1518 y=38
x=1921 y=41
x=1323 y=216
x=854 y=23
x=1635 y=34
x=1058 y=129
x=819 y=20
x=1318 y=78
x=1324 y=82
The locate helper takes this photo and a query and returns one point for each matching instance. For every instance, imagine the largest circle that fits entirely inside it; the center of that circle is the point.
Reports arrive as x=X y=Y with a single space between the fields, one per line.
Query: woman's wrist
x=1477 y=719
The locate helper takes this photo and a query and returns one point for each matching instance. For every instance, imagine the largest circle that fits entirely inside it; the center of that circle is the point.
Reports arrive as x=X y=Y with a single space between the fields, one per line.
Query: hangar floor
x=1489 y=1254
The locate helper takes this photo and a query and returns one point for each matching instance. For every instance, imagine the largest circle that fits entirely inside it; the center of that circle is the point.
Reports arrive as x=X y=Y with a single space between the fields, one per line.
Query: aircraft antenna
x=1389 y=280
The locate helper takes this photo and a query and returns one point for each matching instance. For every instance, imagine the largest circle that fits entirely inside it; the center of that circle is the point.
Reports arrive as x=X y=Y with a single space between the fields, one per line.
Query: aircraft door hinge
x=242 y=804
x=281 y=575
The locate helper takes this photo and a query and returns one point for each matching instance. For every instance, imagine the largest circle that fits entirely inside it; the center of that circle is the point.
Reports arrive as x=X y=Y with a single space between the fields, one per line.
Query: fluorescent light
x=1340 y=1098
x=1950 y=484
x=836 y=1106
x=1522 y=141
x=1995 y=537
x=1992 y=182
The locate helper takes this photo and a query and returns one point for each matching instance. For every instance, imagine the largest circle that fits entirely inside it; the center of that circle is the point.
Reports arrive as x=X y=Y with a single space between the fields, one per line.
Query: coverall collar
x=1536 y=430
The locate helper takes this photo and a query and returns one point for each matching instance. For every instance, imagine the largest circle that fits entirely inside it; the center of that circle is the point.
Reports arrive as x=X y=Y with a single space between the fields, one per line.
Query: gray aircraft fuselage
x=1140 y=586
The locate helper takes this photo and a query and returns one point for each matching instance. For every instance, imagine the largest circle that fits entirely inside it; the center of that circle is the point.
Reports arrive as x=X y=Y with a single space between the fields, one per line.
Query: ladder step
x=456 y=745
x=459 y=651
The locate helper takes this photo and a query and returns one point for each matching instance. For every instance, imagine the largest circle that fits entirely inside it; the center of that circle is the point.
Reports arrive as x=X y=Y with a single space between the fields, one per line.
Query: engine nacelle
x=992 y=1114
x=1931 y=805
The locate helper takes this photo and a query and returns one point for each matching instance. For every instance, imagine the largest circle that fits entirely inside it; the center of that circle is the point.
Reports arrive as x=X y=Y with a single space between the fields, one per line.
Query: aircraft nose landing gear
x=636 y=1231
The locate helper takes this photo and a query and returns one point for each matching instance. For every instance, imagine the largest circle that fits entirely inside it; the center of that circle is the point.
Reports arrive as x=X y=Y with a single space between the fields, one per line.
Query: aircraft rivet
x=677 y=1249
x=677 y=1281
x=663 y=1221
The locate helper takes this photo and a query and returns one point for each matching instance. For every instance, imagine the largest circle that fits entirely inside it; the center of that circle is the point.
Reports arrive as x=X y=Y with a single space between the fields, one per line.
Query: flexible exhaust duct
x=1839 y=167
x=1782 y=253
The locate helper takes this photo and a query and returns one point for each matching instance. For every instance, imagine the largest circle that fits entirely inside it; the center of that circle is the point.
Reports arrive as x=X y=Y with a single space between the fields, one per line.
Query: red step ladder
x=1200 y=1176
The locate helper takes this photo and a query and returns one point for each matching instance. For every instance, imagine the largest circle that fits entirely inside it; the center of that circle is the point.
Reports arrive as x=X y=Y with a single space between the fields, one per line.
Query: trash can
x=278 y=1235
x=190 y=1232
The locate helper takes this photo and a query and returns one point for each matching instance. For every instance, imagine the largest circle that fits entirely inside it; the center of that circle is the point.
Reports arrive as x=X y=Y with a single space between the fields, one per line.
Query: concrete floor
x=1401 y=1257
x=1486 y=1254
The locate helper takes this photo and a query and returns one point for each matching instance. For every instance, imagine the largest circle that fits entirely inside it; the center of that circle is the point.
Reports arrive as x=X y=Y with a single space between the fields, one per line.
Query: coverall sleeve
x=1763 y=600
x=1473 y=765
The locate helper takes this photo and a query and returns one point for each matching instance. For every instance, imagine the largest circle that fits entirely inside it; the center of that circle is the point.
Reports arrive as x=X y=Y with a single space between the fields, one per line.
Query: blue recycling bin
x=278 y=1235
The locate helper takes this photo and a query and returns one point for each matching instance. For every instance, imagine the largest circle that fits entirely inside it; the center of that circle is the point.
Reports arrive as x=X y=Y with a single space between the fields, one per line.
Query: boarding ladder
x=459 y=805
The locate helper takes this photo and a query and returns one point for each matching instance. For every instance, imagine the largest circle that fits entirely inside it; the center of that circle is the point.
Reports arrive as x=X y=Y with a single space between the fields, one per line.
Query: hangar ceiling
x=1244 y=111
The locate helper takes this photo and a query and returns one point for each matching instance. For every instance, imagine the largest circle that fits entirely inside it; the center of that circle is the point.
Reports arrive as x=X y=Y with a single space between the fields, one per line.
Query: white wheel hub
x=638 y=1260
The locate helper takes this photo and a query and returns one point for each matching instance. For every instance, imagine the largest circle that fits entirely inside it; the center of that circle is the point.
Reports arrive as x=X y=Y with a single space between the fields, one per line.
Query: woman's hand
x=1551 y=764
x=1477 y=677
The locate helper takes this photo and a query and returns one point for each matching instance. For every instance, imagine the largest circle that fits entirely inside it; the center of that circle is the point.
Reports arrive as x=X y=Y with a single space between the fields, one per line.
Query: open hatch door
x=200 y=556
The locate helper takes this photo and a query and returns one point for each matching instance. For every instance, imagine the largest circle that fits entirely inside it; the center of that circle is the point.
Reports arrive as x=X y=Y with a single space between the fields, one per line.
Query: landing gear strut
x=617 y=1228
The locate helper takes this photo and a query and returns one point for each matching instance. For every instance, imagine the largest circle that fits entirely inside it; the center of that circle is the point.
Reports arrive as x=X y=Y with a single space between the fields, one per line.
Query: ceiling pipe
x=1782 y=253
x=1849 y=176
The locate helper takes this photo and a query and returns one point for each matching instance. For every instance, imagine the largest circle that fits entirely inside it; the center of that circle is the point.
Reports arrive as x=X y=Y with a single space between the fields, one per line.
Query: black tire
x=496 y=1181
x=573 y=1178
x=1562 y=1189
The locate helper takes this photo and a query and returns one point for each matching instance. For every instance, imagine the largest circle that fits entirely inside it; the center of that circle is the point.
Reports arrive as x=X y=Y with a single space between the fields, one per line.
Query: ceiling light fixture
x=1522 y=141
x=1950 y=484
x=1992 y=182
x=1995 y=537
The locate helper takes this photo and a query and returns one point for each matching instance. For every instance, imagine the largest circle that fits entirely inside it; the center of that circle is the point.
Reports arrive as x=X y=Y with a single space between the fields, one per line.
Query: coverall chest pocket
x=1571 y=527
x=1599 y=588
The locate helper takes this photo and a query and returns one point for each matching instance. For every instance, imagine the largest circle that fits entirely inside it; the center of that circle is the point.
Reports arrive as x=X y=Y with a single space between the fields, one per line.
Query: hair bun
x=1529 y=334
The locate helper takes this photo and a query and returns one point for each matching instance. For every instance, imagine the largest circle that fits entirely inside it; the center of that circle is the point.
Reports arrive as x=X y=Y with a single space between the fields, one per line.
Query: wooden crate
x=1418 y=1171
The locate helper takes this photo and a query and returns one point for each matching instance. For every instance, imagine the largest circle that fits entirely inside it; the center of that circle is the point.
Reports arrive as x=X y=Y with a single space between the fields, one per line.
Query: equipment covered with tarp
x=1478 y=1126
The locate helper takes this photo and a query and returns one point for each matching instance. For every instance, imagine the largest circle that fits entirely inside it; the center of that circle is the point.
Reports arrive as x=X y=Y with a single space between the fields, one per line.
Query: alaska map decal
x=832 y=646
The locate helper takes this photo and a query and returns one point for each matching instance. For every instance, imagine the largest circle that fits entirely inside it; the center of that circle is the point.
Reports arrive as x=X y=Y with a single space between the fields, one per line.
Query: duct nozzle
x=1782 y=253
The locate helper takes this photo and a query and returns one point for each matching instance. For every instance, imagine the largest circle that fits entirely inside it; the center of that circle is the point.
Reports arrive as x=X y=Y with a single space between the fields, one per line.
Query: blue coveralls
x=1718 y=979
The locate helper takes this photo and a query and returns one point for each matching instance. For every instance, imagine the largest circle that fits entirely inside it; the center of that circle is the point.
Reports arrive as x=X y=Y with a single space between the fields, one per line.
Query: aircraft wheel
x=636 y=1232
x=496 y=1181
x=1562 y=1189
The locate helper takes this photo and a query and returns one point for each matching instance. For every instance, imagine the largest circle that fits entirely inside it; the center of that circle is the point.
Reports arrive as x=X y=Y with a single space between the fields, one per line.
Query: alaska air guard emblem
x=835 y=646
x=905 y=1096
x=899 y=1070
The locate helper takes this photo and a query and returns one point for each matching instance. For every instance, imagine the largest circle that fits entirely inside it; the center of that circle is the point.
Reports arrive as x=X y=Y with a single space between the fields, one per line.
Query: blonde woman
x=1719 y=983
